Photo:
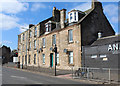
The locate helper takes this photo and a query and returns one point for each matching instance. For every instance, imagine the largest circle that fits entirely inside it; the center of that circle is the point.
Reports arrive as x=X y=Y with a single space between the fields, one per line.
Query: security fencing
x=108 y=75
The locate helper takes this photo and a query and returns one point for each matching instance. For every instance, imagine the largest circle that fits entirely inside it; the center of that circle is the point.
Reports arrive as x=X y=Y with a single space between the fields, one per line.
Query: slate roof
x=107 y=40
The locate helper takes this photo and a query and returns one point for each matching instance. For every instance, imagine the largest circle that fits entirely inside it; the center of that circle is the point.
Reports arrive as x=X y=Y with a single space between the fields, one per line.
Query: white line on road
x=18 y=77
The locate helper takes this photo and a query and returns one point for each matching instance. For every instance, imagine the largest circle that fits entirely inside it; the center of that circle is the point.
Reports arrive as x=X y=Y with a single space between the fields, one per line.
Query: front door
x=51 y=60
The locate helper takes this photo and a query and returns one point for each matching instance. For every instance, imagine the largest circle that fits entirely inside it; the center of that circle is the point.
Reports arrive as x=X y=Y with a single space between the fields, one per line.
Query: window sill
x=70 y=42
x=71 y=64
x=43 y=46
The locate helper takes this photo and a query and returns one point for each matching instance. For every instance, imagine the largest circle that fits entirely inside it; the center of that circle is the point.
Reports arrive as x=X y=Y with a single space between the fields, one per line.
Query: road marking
x=18 y=77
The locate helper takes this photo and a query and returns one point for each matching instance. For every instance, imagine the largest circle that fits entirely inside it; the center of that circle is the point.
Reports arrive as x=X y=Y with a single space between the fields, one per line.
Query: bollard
x=72 y=71
x=109 y=77
x=87 y=73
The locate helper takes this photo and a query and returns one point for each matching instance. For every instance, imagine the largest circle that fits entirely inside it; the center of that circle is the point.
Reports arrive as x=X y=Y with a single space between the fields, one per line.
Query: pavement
x=19 y=76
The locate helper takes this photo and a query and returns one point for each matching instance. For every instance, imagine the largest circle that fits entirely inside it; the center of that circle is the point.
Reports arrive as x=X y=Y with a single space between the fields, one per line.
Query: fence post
x=109 y=77
x=72 y=71
x=87 y=73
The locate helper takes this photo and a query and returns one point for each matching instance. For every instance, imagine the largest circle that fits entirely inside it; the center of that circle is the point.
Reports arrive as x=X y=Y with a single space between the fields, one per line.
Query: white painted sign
x=113 y=47
x=15 y=59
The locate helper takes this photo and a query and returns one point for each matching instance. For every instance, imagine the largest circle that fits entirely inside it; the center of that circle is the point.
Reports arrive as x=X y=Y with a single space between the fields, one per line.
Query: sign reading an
x=113 y=47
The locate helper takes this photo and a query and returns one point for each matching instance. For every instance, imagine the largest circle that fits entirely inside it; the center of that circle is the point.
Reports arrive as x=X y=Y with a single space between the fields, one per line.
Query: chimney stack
x=96 y=4
x=62 y=18
x=30 y=25
x=53 y=13
x=56 y=14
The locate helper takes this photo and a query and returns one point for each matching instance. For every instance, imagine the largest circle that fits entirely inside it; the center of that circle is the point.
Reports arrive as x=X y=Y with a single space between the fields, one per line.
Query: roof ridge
x=108 y=37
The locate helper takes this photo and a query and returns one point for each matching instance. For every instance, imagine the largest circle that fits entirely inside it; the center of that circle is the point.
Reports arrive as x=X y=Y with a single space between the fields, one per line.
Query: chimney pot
x=99 y=34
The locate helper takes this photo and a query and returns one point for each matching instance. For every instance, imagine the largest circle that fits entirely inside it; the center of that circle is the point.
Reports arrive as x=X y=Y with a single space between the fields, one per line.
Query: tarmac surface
x=17 y=76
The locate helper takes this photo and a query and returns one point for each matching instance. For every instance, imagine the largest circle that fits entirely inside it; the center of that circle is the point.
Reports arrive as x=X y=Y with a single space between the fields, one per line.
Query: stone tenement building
x=35 y=46
x=5 y=53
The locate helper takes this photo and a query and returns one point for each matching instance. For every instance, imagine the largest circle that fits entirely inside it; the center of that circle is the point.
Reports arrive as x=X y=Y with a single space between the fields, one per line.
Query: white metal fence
x=109 y=75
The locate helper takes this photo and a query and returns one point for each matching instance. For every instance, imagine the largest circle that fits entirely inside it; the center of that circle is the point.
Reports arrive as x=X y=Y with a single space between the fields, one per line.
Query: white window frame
x=70 y=35
x=71 y=17
x=43 y=41
x=58 y=58
x=54 y=39
x=34 y=44
x=43 y=58
x=34 y=58
x=70 y=57
x=46 y=27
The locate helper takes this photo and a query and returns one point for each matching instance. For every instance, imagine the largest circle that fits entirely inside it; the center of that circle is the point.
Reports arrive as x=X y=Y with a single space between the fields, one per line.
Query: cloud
x=24 y=27
x=13 y=7
x=114 y=19
x=111 y=9
x=7 y=42
x=8 y=10
x=83 y=7
x=8 y=22
x=37 y=6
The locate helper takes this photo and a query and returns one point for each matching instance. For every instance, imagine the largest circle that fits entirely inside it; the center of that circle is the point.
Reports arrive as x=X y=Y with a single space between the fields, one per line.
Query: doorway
x=51 y=59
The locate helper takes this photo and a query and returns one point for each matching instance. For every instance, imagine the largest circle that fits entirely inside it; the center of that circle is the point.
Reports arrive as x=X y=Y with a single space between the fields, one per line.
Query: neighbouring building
x=35 y=46
x=5 y=53
x=103 y=53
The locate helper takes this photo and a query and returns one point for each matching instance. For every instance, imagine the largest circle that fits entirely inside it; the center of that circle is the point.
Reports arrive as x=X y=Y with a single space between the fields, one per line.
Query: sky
x=16 y=14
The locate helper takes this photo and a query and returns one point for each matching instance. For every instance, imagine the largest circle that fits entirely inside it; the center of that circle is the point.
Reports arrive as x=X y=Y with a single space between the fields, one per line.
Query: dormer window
x=48 y=26
x=75 y=15
x=47 y=30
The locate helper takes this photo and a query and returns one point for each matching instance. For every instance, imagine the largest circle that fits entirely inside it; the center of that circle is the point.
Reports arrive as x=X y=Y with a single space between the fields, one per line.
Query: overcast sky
x=16 y=14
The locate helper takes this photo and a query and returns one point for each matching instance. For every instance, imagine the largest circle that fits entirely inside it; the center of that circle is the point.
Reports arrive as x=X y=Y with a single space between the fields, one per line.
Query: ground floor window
x=25 y=59
x=57 y=58
x=34 y=58
x=22 y=59
x=71 y=57
x=43 y=58
x=29 y=59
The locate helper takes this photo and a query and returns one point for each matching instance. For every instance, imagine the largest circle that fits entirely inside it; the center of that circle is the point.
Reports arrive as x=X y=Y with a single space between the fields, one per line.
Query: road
x=14 y=76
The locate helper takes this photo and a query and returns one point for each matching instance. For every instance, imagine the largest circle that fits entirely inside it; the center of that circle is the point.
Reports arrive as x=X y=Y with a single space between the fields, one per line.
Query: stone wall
x=61 y=42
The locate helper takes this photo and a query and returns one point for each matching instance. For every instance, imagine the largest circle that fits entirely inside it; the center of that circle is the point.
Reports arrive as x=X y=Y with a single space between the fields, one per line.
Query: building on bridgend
x=35 y=46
